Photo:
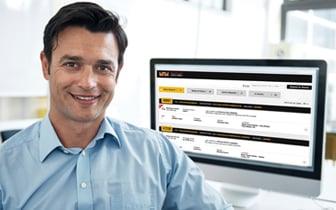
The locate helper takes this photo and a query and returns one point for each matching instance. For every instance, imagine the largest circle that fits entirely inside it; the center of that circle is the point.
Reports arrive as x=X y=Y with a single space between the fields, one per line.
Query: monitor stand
x=238 y=196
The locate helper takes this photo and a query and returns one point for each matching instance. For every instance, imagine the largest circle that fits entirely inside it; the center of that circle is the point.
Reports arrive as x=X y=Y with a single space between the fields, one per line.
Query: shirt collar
x=50 y=141
x=106 y=128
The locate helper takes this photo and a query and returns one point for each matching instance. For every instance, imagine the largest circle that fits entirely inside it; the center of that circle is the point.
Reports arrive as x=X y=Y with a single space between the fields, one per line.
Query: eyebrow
x=78 y=58
x=70 y=57
x=106 y=62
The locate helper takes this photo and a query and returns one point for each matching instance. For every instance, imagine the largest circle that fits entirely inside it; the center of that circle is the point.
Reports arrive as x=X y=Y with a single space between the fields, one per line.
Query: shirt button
x=83 y=153
x=83 y=185
x=66 y=151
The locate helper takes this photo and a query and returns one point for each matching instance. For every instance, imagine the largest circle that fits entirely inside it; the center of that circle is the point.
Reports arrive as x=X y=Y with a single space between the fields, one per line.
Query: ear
x=45 y=65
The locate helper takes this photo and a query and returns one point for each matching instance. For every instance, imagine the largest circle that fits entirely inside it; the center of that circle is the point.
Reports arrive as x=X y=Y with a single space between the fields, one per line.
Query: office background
x=156 y=28
x=166 y=28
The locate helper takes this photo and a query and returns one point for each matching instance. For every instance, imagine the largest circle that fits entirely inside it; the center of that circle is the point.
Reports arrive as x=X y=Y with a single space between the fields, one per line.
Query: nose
x=87 y=80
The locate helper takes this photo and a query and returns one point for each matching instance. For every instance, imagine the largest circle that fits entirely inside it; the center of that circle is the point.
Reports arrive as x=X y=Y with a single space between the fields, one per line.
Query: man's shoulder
x=21 y=138
x=123 y=126
x=137 y=135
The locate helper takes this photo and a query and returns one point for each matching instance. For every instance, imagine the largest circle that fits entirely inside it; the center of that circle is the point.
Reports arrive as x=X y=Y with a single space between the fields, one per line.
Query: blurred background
x=166 y=28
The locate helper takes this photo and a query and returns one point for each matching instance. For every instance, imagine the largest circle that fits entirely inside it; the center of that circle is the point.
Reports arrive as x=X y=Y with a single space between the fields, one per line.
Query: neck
x=74 y=133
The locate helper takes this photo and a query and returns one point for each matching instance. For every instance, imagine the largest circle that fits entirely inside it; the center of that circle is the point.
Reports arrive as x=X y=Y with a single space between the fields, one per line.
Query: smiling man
x=76 y=157
x=82 y=76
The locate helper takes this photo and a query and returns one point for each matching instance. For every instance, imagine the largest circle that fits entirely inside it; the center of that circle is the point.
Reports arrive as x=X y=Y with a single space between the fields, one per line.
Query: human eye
x=105 y=69
x=71 y=64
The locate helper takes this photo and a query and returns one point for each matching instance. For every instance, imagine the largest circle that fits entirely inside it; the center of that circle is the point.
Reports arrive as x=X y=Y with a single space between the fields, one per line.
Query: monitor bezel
x=318 y=152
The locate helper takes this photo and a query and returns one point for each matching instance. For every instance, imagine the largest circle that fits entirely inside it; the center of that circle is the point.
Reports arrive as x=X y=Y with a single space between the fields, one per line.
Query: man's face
x=82 y=74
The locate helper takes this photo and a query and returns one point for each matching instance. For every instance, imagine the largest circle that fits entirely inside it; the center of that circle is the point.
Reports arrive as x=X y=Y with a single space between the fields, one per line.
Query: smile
x=85 y=98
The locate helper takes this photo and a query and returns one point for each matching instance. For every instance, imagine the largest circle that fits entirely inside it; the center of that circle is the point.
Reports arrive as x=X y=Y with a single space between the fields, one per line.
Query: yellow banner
x=167 y=89
x=166 y=128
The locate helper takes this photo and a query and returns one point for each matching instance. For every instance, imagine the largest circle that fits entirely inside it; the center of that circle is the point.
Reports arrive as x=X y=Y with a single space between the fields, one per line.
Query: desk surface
x=268 y=200
x=277 y=201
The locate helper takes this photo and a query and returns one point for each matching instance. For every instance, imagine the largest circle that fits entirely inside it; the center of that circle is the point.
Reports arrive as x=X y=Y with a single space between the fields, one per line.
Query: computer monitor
x=254 y=123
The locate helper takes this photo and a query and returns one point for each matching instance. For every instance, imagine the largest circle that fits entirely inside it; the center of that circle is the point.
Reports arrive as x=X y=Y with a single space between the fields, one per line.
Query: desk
x=268 y=200
x=277 y=201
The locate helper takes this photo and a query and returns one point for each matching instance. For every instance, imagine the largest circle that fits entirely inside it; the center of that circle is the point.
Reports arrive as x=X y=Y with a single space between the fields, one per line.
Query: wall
x=22 y=25
x=21 y=81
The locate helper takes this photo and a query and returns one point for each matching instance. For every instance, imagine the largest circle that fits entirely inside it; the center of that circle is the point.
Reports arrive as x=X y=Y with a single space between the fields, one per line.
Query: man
x=76 y=157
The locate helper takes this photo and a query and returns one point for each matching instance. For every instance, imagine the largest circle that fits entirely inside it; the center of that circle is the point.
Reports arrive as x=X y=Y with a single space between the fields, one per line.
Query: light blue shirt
x=124 y=167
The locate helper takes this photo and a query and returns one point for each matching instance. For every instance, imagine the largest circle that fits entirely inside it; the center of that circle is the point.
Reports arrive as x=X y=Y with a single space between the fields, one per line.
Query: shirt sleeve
x=187 y=188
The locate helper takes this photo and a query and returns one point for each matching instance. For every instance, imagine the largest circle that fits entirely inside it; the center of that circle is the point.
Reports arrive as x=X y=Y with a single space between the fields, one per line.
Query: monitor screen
x=250 y=122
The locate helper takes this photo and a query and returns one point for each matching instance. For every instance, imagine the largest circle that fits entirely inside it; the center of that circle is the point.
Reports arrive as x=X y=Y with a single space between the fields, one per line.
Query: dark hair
x=88 y=15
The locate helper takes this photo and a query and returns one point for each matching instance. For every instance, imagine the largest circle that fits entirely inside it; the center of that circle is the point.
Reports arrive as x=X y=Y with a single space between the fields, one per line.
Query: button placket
x=84 y=190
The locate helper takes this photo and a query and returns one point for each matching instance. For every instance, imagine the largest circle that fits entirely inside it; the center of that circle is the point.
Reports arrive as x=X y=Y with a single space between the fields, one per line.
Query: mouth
x=84 y=98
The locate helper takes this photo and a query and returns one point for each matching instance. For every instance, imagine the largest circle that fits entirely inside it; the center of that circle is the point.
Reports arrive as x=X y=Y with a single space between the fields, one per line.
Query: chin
x=87 y=119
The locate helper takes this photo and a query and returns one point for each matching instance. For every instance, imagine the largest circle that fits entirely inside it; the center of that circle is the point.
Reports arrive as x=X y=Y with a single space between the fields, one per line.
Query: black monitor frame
x=319 y=132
